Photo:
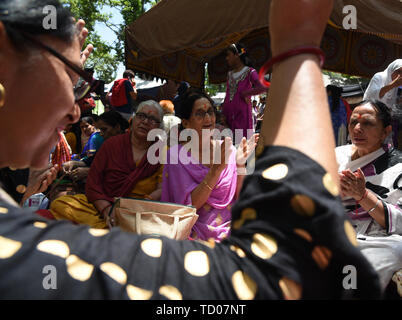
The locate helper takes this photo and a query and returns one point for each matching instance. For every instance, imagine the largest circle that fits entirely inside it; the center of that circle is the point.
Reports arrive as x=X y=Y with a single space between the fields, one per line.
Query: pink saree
x=179 y=180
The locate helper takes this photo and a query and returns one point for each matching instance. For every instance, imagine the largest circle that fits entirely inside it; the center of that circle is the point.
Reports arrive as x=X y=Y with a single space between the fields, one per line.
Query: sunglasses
x=83 y=87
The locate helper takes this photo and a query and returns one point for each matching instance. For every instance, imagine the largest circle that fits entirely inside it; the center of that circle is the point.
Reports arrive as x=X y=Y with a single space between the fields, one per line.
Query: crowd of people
x=284 y=230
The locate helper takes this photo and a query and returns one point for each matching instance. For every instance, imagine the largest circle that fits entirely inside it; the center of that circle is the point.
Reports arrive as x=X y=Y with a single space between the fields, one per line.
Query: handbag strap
x=138 y=222
x=175 y=227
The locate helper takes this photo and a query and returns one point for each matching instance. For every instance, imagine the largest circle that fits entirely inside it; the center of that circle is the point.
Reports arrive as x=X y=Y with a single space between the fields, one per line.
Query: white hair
x=156 y=105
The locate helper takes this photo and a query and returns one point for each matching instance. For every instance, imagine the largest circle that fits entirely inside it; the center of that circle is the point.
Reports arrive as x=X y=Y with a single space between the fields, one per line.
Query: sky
x=108 y=36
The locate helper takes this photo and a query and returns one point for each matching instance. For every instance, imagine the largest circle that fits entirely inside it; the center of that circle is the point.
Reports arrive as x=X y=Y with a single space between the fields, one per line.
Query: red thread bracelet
x=365 y=195
x=283 y=56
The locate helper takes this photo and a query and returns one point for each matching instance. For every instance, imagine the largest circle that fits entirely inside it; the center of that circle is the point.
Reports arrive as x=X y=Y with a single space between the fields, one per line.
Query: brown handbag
x=153 y=217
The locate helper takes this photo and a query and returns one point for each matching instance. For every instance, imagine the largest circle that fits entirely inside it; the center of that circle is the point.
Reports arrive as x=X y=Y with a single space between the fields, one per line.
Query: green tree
x=106 y=57
x=212 y=89
x=341 y=79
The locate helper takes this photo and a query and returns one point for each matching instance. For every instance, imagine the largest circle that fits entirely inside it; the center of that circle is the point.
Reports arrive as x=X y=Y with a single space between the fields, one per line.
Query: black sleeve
x=88 y=160
x=14 y=182
x=290 y=239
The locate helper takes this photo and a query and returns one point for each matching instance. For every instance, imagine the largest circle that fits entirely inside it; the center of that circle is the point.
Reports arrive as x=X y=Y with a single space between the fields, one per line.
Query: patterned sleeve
x=289 y=240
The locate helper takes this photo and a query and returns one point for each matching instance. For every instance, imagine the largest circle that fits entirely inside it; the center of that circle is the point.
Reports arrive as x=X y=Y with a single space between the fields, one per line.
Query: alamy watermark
x=350 y=281
x=158 y=152
x=50 y=280
x=350 y=20
x=50 y=20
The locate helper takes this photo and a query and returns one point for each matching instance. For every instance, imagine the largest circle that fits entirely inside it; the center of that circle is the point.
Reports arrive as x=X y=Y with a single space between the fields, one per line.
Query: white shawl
x=380 y=80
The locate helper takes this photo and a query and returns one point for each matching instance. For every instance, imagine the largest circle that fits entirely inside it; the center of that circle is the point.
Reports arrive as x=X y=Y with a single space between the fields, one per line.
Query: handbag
x=153 y=217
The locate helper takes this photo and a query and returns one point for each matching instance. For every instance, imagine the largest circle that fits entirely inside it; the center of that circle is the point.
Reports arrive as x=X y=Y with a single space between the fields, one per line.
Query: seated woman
x=120 y=169
x=191 y=177
x=370 y=175
x=90 y=139
x=109 y=124
x=75 y=172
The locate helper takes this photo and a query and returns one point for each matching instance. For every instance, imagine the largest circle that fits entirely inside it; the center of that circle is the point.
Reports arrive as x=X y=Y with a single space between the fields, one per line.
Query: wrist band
x=283 y=56
x=207 y=185
x=373 y=208
x=365 y=195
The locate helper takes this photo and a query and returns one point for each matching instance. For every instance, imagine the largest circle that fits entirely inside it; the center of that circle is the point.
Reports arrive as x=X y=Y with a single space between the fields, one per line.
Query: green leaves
x=106 y=57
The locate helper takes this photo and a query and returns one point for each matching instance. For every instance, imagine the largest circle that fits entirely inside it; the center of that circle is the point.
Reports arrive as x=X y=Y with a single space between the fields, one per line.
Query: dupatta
x=114 y=172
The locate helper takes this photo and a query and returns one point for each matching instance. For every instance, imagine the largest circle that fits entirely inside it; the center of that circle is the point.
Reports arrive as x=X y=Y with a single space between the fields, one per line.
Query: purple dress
x=179 y=181
x=236 y=110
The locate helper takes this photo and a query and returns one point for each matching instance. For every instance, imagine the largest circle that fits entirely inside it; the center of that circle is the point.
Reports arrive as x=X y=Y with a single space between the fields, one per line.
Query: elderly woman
x=120 y=169
x=370 y=175
x=291 y=239
x=192 y=177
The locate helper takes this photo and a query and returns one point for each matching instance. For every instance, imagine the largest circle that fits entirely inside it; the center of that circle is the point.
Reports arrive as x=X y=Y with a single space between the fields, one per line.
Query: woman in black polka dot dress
x=290 y=239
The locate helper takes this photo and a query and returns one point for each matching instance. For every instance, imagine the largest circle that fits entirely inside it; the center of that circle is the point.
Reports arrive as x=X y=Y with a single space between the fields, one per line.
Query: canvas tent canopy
x=175 y=38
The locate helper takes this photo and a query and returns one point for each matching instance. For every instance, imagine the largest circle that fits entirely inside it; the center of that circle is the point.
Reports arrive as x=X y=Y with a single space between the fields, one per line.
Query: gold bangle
x=207 y=185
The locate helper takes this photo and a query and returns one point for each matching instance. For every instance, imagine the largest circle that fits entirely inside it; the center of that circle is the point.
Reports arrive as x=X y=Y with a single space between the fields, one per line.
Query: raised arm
x=299 y=116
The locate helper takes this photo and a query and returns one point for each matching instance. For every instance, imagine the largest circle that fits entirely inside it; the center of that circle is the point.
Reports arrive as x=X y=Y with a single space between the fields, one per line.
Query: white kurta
x=383 y=173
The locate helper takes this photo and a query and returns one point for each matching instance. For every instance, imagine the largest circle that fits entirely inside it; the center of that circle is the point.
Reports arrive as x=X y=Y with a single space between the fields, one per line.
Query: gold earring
x=2 y=95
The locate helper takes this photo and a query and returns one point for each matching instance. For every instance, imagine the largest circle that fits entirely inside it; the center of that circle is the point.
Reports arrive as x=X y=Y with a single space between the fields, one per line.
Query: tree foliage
x=340 y=79
x=106 y=57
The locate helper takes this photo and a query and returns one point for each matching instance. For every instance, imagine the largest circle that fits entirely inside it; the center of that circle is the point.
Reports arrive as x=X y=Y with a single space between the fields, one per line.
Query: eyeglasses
x=142 y=117
x=200 y=114
x=84 y=87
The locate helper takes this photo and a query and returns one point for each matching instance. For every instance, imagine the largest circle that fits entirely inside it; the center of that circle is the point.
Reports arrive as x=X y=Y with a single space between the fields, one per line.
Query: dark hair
x=384 y=113
x=336 y=93
x=128 y=74
x=238 y=48
x=77 y=131
x=183 y=87
x=89 y=69
x=113 y=118
x=28 y=16
x=186 y=107
x=90 y=119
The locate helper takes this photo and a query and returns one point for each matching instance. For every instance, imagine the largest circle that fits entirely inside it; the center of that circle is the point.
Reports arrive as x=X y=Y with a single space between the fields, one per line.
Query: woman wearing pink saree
x=192 y=176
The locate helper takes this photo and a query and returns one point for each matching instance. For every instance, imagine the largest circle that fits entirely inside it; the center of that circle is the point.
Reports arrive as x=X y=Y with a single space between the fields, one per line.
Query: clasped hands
x=353 y=184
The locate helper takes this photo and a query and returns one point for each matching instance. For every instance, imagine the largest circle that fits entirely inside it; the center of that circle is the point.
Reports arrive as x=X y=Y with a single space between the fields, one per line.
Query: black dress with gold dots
x=290 y=240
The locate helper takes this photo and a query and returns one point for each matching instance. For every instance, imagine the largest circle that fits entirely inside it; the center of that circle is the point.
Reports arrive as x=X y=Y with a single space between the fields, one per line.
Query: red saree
x=113 y=172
